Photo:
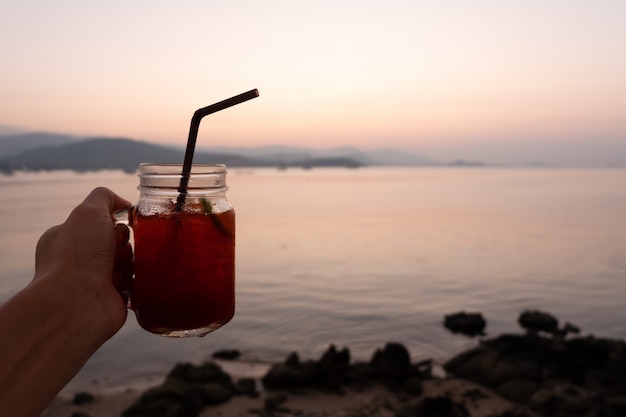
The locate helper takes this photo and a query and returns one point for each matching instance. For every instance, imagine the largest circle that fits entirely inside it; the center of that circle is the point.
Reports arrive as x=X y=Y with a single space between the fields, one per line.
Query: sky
x=481 y=80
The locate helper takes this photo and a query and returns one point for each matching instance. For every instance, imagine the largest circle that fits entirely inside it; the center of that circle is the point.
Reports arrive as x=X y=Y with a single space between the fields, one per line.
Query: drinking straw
x=193 y=134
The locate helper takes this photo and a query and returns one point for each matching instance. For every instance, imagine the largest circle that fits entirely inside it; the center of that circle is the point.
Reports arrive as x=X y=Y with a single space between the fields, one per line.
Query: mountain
x=10 y=130
x=126 y=154
x=15 y=143
x=388 y=156
x=46 y=151
x=106 y=153
x=300 y=155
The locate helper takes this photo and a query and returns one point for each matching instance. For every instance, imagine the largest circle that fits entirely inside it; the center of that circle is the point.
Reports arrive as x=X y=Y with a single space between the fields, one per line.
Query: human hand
x=90 y=259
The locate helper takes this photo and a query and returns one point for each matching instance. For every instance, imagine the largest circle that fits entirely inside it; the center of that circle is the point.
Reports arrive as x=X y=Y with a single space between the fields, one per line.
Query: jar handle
x=124 y=216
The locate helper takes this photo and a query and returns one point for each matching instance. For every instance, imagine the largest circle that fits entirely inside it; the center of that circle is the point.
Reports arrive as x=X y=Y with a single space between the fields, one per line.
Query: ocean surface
x=359 y=257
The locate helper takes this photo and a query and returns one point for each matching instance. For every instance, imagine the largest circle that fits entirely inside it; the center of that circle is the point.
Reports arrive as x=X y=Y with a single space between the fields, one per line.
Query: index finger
x=112 y=201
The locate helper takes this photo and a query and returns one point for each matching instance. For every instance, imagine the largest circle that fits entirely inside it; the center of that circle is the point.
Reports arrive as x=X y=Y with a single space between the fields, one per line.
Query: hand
x=89 y=257
x=71 y=307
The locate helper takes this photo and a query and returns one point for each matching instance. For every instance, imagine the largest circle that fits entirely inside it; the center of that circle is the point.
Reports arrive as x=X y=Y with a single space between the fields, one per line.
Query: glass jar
x=184 y=250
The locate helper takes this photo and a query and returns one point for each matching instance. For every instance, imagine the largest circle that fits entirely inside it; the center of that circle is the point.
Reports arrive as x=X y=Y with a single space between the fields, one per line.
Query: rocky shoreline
x=543 y=371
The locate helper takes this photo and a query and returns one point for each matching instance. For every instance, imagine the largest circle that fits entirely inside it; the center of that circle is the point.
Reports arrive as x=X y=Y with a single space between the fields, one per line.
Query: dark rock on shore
x=189 y=388
x=246 y=386
x=542 y=371
x=391 y=365
x=186 y=391
x=83 y=398
x=538 y=321
x=555 y=377
x=291 y=374
x=433 y=407
x=227 y=354
x=535 y=321
x=470 y=324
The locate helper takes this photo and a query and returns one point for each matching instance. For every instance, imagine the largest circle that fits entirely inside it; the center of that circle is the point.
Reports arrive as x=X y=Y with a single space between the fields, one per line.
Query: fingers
x=107 y=198
x=98 y=206
x=123 y=258
x=122 y=234
x=123 y=269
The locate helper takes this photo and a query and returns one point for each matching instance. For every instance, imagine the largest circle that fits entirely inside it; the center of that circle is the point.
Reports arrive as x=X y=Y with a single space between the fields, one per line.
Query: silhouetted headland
x=125 y=154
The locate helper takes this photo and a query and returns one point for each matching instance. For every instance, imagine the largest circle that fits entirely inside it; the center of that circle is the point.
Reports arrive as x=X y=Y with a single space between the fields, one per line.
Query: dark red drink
x=184 y=271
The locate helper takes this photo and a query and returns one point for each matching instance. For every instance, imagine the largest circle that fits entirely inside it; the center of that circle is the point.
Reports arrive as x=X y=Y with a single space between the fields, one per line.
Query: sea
x=360 y=257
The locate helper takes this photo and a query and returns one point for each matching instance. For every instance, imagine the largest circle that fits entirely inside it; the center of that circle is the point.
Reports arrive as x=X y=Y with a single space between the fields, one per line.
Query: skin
x=71 y=307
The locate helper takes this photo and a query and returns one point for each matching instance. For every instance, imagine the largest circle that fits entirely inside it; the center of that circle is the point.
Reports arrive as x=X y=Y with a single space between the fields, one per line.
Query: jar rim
x=151 y=168
x=154 y=176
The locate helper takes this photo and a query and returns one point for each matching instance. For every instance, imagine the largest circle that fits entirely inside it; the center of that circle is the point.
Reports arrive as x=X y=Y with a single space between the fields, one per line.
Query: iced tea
x=184 y=271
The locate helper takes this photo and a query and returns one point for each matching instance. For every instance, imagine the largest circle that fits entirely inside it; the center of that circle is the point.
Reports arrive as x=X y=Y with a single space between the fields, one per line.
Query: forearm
x=44 y=341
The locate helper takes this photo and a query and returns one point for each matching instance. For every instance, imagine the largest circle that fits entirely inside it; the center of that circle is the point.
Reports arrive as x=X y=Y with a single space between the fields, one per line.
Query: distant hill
x=300 y=155
x=106 y=153
x=126 y=154
x=388 y=156
x=10 y=130
x=13 y=144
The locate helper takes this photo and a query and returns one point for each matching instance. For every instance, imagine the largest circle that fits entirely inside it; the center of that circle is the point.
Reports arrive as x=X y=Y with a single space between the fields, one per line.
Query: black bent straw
x=193 y=134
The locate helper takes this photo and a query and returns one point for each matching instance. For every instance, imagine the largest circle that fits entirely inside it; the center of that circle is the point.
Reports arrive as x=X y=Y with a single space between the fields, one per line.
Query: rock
x=185 y=392
x=470 y=324
x=178 y=400
x=433 y=407
x=273 y=401
x=413 y=385
x=577 y=377
x=474 y=394
x=335 y=361
x=163 y=408
x=518 y=390
x=604 y=363
x=290 y=374
x=227 y=354
x=159 y=401
x=163 y=393
x=332 y=367
x=83 y=398
x=566 y=398
x=582 y=376
x=570 y=328
x=516 y=366
x=190 y=405
x=333 y=370
x=359 y=374
x=515 y=413
x=293 y=360
x=246 y=386
x=199 y=374
x=538 y=321
x=392 y=363
x=474 y=364
x=614 y=407
x=442 y=407
x=211 y=393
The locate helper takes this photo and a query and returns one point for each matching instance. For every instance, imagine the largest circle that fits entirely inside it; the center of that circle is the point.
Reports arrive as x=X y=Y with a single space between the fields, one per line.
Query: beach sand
x=375 y=401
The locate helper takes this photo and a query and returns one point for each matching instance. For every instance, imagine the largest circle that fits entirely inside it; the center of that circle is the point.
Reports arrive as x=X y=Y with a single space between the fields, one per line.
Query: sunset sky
x=444 y=79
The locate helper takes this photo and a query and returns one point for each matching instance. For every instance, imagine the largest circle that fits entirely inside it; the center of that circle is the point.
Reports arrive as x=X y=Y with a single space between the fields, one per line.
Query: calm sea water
x=361 y=257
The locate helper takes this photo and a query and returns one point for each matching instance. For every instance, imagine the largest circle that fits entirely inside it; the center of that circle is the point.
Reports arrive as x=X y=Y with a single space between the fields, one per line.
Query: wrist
x=48 y=332
x=74 y=310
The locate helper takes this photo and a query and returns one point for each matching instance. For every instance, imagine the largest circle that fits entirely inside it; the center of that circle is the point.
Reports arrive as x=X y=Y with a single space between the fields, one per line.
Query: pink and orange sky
x=444 y=79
